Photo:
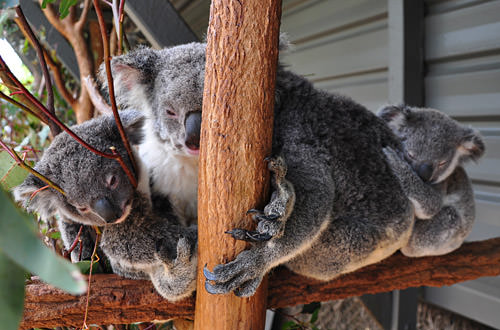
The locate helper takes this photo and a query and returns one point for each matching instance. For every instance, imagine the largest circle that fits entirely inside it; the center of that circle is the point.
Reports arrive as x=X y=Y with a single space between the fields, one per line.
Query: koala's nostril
x=193 y=127
x=425 y=171
x=106 y=210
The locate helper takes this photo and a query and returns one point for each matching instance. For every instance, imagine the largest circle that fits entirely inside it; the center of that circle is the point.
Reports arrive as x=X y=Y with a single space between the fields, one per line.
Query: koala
x=138 y=243
x=167 y=86
x=430 y=171
x=348 y=208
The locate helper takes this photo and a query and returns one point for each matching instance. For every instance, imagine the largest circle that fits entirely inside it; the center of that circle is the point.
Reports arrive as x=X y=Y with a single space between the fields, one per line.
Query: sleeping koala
x=138 y=243
x=430 y=171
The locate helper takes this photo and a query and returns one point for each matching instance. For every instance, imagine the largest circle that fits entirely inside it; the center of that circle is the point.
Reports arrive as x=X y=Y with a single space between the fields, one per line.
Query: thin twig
x=94 y=254
x=22 y=106
x=96 y=97
x=83 y=16
x=120 y=25
x=41 y=107
x=43 y=65
x=111 y=88
x=75 y=242
x=21 y=163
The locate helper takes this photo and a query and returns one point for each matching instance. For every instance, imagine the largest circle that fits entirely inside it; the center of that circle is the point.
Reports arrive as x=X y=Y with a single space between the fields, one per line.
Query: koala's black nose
x=106 y=210
x=193 y=127
x=424 y=171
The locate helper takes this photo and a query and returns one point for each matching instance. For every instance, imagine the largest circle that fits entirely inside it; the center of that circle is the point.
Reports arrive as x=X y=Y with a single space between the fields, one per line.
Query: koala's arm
x=311 y=214
x=271 y=222
x=447 y=230
x=426 y=199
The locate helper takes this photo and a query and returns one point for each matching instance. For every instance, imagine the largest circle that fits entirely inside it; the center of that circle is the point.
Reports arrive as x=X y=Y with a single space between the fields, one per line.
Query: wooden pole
x=236 y=133
x=116 y=300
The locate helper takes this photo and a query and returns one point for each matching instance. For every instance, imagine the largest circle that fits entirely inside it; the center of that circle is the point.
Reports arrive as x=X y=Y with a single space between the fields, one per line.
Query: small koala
x=430 y=171
x=138 y=243
x=348 y=208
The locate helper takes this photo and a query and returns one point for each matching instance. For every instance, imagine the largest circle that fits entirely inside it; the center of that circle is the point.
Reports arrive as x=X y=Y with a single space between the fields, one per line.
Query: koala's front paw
x=271 y=221
x=242 y=275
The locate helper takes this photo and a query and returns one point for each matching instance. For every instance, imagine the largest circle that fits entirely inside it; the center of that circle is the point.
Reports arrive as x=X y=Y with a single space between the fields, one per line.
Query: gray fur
x=444 y=200
x=349 y=208
x=138 y=242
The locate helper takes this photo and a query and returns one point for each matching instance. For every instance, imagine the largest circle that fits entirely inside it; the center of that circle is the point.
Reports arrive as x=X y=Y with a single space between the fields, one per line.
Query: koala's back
x=333 y=129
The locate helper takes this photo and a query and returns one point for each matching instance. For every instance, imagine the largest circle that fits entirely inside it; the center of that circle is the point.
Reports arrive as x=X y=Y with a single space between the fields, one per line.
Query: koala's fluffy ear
x=132 y=73
x=472 y=145
x=394 y=115
x=35 y=199
x=133 y=122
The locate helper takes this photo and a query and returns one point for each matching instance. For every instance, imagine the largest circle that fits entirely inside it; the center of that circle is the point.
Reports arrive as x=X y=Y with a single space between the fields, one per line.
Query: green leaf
x=311 y=308
x=45 y=2
x=11 y=293
x=10 y=173
x=290 y=325
x=64 y=7
x=19 y=241
x=55 y=235
x=314 y=316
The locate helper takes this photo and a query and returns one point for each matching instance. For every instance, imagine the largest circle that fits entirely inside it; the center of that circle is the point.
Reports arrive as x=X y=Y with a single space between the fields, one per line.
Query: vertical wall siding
x=462 y=48
x=340 y=45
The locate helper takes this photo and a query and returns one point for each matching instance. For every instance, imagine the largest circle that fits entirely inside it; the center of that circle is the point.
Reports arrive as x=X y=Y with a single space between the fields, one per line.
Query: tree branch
x=117 y=300
x=83 y=16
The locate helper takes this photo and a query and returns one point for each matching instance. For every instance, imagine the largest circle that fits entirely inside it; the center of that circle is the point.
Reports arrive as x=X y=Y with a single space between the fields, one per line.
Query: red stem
x=111 y=89
x=75 y=243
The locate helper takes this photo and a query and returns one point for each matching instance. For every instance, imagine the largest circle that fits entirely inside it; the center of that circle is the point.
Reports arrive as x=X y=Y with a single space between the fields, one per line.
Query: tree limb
x=117 y=300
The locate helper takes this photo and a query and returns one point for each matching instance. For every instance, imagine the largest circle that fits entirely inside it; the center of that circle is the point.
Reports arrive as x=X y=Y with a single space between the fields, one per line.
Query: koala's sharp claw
x=208 y=275
x=209 y=287
x=239 y=234
x=268 y=158
x=255 y=236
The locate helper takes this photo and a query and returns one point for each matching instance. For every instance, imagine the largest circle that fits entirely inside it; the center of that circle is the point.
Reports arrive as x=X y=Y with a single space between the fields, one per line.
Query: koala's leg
x=447 y=230
x=271 y=221
x=69 y=231
x=425 y=198
x=311 y=215
x=175 y=278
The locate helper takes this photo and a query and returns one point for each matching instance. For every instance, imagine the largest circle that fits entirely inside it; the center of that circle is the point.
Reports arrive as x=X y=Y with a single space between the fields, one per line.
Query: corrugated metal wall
x=462 y=52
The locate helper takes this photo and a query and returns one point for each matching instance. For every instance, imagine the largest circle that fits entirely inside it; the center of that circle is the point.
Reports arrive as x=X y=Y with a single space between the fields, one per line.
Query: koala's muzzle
x=193 y=127
x=107 y=210
x=425 y=171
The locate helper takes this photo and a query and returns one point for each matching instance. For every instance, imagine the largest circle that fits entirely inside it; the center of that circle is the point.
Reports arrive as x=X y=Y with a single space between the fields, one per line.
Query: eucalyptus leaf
x=45 y=2
x=11 y=293
x=10 y=173
x=64 y=7
x=84 y=267
x=19 y=241
x=314 y=316
x=289 y=325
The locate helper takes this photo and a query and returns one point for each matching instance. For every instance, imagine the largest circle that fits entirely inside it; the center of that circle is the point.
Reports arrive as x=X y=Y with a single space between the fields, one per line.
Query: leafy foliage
x=11 y=293
x=34 y=256
x=297 y=324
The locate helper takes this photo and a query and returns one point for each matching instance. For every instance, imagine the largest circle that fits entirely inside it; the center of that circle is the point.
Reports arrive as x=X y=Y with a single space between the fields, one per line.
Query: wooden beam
x=236 y=134
x=121 y=301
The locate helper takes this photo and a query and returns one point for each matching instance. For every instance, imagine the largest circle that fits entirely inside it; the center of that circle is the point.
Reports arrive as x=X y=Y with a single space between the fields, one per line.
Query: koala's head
x=167 y=85
x=434 y=144
x=97 y=190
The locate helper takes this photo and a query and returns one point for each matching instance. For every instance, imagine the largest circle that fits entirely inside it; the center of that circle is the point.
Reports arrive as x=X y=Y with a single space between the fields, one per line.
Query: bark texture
x=117 y=300
x=236 y=133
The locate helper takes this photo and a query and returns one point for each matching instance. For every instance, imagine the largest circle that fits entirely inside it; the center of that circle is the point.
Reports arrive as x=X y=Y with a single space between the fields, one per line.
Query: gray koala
x=167 y=86
x=349 y=209
x=138 y=243
x=430 y=171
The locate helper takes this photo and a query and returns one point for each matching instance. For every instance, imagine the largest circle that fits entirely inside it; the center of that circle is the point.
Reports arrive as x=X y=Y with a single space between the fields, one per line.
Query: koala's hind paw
x=242 y=275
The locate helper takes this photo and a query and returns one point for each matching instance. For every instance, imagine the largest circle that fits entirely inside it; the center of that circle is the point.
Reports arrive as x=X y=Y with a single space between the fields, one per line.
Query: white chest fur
x=174 y=175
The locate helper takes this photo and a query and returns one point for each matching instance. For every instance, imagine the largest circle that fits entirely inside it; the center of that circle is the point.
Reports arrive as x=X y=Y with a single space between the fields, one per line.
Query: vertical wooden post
x=236 y=133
